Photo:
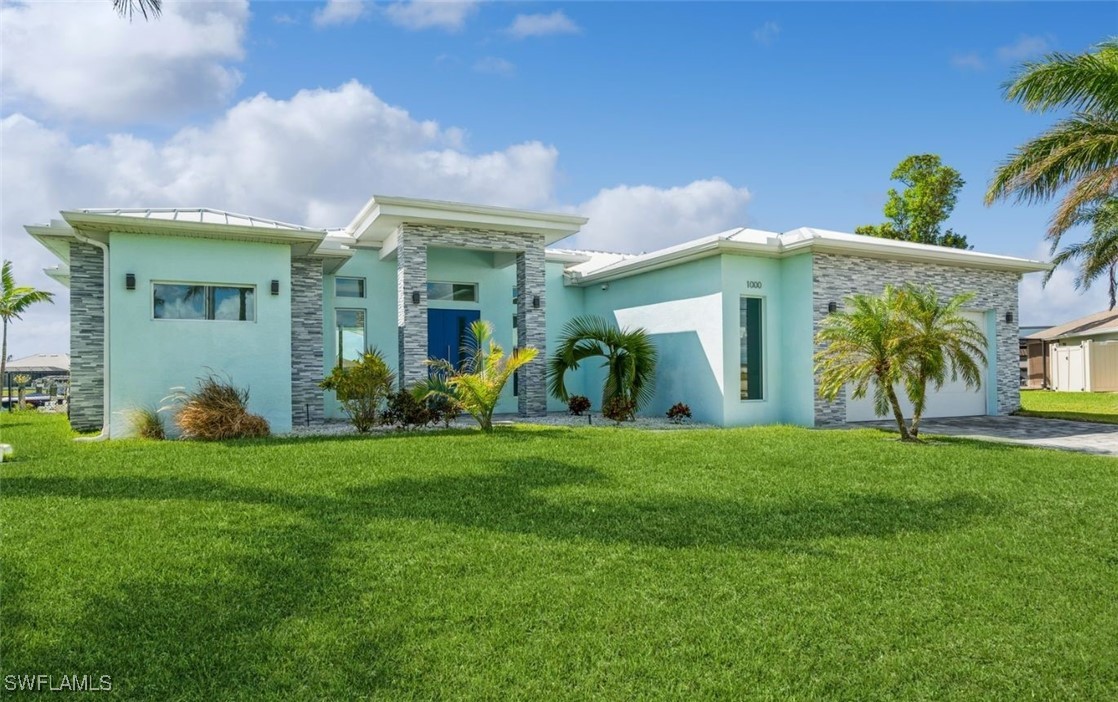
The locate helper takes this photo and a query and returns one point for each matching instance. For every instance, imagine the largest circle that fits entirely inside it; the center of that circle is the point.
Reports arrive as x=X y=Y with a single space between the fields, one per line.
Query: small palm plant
x=630 y=360
x=475 y=385
x=14 y=301
x=865 y=348
x=943 y=343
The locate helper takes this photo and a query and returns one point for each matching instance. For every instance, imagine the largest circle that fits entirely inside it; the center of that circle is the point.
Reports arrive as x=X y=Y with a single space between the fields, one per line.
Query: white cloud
x=313 y=159
x=767 y=33
x=81 y=60
x=969 y=61
x=336 y=12
x=541 y=24
x=495 y=66
x=284 y=18
x=1026 y=47
x=450 y=15
x=638 y=218
x=1059 y=301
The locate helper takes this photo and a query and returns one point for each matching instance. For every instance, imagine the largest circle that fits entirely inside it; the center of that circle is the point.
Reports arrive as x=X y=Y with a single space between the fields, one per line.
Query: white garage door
x=953 y=400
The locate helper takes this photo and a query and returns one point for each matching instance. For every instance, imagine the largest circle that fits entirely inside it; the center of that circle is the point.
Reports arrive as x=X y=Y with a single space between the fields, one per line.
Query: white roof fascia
x=382 y=214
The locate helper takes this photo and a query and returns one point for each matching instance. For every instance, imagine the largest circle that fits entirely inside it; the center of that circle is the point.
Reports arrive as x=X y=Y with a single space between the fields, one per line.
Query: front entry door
x=446 y=331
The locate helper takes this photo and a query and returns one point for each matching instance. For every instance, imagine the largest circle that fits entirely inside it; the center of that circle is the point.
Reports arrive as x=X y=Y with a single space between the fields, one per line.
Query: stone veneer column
x=532 y=326
x=411 y=318
x=836 y=277
x=306 y=341
x=87 y=337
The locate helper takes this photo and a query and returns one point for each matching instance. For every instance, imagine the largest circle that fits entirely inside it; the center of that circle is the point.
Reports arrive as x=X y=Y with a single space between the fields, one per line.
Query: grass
x=550 y=563
x=1079 y=406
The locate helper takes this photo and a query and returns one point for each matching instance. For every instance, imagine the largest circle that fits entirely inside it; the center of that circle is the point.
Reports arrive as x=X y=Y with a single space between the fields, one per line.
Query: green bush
x=619 y=408
x=146 y=423
x=406 y=411
x=362 y=388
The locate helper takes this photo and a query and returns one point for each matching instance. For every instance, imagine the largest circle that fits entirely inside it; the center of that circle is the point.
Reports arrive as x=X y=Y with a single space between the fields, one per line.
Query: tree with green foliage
x=1077 y=156
x=1098 y=254
x=918 y=212
x=475 y=385
x=902 y=338
x=630 y=360
x=14 y=301
x=362 y=387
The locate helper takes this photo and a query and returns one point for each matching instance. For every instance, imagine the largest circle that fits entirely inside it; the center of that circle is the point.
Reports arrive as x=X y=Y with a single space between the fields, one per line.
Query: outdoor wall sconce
x=415 y=298
x=832 y=307
x=1009 y=317
x=129 y=281
x=536 y=301
x=275 y=287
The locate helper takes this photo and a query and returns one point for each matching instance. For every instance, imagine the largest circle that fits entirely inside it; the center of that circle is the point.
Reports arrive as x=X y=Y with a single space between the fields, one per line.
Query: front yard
x=539 y=563
x=1080 y=406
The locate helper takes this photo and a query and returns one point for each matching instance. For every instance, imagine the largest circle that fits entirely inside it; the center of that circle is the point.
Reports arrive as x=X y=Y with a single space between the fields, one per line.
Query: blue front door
x=446 y=331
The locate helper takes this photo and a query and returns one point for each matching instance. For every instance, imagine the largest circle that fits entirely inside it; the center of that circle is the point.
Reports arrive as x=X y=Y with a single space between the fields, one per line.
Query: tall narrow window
x=350 y=331
x=752 y=343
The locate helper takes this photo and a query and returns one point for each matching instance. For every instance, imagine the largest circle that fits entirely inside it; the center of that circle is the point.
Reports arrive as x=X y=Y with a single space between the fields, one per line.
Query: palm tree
x=150 y=9
x=630 y=359
x=476 y=384
x=865 y=347
x=1080 y=152
x=943 y=342
x=14 y=301
x=1099 y=253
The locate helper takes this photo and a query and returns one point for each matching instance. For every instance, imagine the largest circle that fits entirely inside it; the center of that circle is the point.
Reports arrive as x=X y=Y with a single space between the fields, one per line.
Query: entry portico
x=407 y=229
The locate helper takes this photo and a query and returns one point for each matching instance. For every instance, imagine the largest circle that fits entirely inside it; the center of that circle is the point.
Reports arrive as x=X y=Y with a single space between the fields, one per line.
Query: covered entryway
x=953 y=400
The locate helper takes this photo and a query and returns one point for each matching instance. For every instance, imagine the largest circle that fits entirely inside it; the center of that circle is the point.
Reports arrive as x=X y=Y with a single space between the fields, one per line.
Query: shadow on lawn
x=219 y=629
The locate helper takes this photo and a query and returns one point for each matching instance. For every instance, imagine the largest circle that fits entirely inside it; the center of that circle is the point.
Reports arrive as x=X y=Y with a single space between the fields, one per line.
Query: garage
x=954 y=399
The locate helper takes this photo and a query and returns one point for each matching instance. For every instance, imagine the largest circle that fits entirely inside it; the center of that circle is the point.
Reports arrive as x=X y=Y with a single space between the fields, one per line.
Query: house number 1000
x=752 y=283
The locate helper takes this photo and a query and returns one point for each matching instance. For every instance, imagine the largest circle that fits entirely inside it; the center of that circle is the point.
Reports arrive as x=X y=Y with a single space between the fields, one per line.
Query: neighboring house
x=275 y=306
x=1078 y=356
x=1032 y=354
x=41 y=365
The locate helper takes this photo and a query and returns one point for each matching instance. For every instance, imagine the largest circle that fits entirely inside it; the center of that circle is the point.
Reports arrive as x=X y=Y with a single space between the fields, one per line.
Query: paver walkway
x=1033 y=431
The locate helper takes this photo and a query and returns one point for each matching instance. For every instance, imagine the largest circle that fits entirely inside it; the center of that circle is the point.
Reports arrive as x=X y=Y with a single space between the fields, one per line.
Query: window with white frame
x=227 y=303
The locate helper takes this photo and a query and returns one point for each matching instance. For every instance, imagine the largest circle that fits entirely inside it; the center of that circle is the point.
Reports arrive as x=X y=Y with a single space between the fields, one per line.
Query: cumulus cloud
x=969 y=61
x=449 y=15
x=81 y=60
x=495 y=66
x=1059 y=301
x=767 y=33
x=336 y=12
x=1026 y=47
x=632 y=219
x=541 y=24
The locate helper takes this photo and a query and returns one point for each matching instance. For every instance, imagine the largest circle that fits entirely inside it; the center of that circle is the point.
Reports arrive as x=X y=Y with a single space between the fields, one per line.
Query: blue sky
x=661 y=121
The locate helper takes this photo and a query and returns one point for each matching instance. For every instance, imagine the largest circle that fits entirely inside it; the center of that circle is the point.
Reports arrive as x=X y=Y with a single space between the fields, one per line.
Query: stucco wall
x=150 y=356
x=87 y=337
x=837 y=277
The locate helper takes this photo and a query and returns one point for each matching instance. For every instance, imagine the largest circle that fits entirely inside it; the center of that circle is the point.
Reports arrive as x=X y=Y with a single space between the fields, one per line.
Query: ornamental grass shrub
x=215 y=410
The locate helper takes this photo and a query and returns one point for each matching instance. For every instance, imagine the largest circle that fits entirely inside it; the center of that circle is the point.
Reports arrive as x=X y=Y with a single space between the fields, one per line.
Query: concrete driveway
x=1032 y=431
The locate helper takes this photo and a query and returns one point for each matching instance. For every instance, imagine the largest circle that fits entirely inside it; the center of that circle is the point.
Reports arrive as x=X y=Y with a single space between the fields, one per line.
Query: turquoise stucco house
x=158 y=296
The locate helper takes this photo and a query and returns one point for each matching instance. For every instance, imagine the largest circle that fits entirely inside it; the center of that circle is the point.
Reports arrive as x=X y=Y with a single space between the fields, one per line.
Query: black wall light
x=536 y=301
x=415 y=298
x=129 y=281
x=832 y=307
x=1009 y=317
x=275 y=287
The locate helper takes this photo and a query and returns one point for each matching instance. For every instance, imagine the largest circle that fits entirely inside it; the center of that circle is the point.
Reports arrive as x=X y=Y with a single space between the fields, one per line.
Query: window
x=752 y=343
x=452 y=292
x=350 y=333
x=230 y=303
x=349 y=287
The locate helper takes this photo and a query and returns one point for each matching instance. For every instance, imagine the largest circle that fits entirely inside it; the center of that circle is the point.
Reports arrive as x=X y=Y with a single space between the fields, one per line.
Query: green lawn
x=770 y=563
x=1082 y=406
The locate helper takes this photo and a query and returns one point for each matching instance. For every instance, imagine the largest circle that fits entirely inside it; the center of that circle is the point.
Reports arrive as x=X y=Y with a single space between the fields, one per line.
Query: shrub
x=444 y=409
x=578 y=404
x=146 y=423
x=405 y=410
x=362 y=388
x=679 y=413
x=216 y=410
x=619 y=408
